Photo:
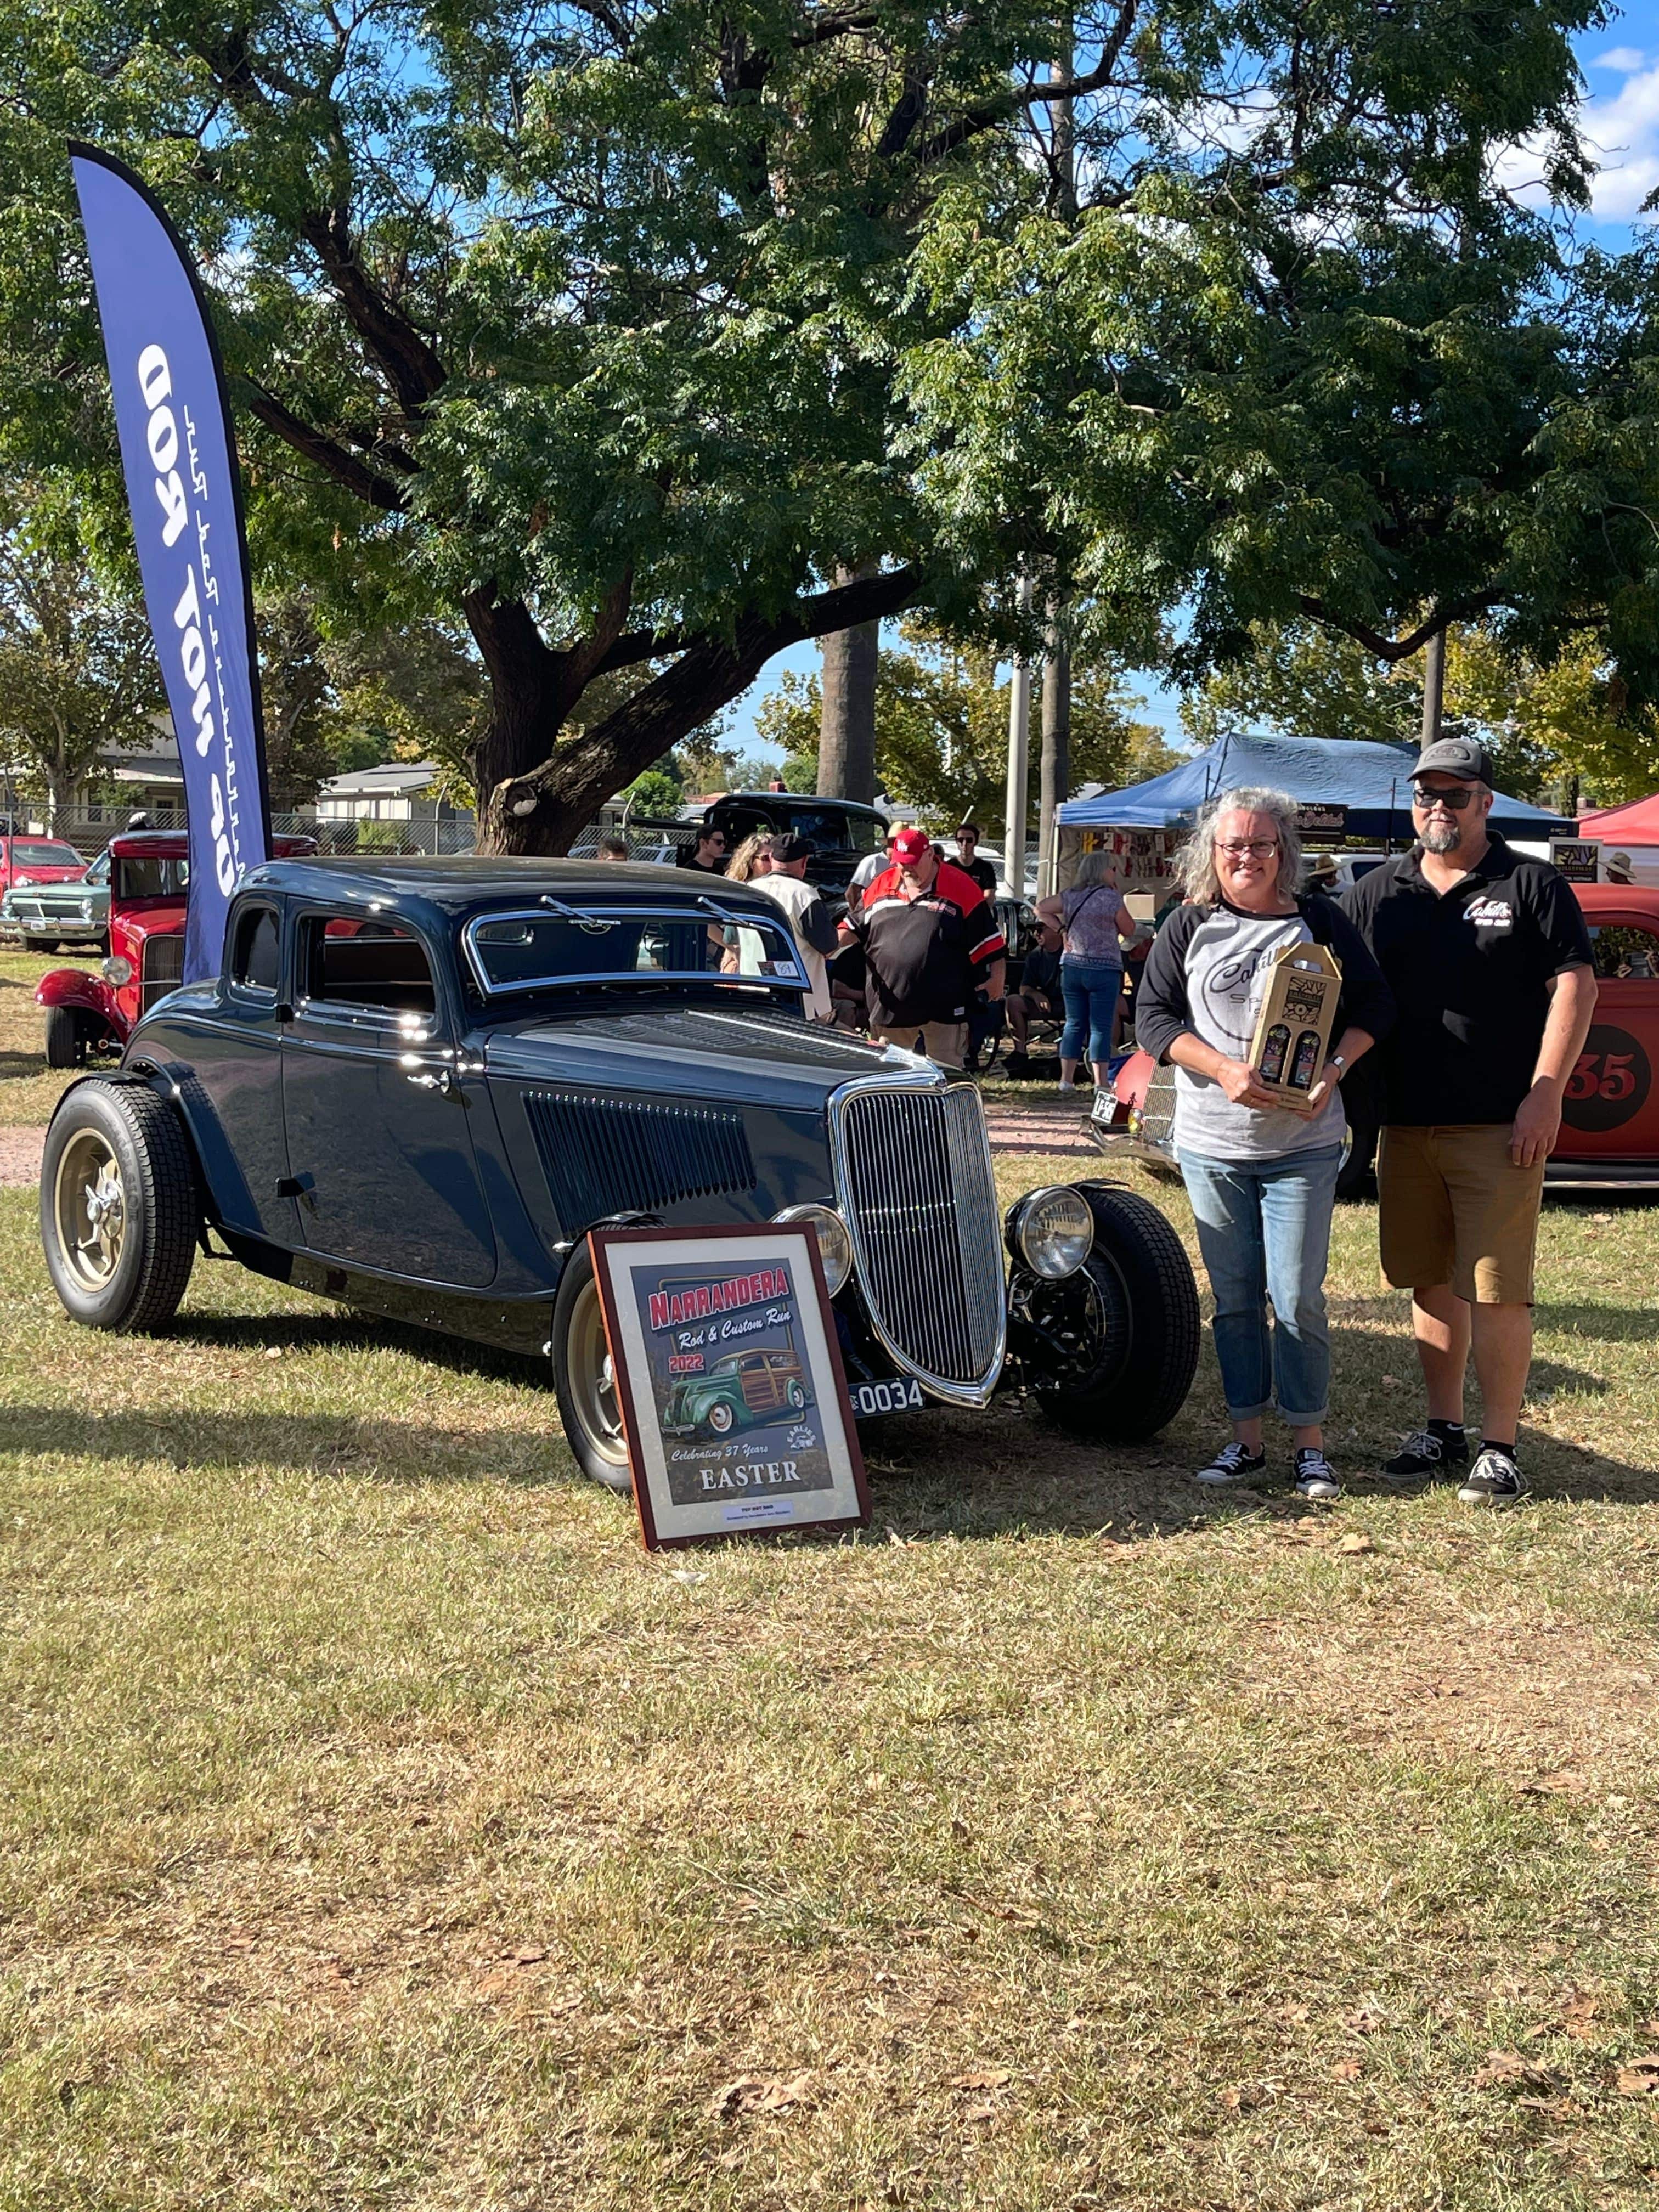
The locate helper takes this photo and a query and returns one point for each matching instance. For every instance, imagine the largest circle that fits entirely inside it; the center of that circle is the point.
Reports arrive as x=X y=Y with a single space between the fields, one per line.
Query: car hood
x=696 y=1052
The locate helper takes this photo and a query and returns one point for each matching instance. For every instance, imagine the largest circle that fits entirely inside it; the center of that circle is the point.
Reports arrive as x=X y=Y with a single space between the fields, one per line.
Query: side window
x=1624 y=952
x=381 y=965
x=253 y=957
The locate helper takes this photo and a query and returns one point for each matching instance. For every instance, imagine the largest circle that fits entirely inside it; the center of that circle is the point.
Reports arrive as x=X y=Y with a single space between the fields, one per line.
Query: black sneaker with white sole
x=1425 y=1458
x=1494 y=1480
x=1232 y=1463
x=1315 y=1475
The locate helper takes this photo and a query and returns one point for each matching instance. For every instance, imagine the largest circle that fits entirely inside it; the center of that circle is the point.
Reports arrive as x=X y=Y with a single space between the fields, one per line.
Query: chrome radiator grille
x=915 y=1168
x=163 y=968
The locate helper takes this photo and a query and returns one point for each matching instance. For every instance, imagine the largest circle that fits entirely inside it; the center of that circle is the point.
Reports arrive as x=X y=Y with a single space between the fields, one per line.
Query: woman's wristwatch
x=1337 y=1061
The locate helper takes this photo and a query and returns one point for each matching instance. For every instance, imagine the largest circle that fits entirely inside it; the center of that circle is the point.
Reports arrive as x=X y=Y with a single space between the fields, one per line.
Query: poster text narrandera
x=670 y=1308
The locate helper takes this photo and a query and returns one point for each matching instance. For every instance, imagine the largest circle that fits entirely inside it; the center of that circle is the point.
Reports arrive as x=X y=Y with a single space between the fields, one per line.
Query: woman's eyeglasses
x=1456 y=800
x=1236 y=848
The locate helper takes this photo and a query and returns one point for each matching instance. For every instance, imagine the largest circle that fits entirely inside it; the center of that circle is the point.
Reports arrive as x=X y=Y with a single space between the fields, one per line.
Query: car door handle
x=443 y=1081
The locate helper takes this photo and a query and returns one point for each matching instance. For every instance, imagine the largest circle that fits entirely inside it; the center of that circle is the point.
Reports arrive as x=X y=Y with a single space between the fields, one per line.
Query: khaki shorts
x=945 y=1041
x=1454 y=1208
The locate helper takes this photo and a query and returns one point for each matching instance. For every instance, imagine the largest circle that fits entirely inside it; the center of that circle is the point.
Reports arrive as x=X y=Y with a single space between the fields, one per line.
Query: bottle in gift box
x=1274 y=1053
x=1304 y=1066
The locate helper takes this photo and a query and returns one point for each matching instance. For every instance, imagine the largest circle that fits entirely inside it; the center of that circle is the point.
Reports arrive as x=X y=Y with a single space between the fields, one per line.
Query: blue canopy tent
x=1372 y=782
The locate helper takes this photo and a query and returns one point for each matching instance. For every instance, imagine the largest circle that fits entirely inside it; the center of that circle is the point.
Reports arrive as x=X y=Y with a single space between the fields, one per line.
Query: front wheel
x=118 y=1209
x=66 y=1045
x=584 y=1381
x=1117 y=1342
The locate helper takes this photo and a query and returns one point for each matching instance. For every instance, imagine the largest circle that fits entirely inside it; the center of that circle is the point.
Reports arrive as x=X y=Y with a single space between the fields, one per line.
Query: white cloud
x=1622 y=133
x=1623 y=61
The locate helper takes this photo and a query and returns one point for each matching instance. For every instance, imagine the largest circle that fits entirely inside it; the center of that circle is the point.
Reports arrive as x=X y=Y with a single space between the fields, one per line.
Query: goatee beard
x=1441 y=836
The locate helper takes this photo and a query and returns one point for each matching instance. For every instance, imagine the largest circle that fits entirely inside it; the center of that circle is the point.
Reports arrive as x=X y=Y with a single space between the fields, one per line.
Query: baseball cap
x=909 y=845
x=1455 y=756
x=792 y=848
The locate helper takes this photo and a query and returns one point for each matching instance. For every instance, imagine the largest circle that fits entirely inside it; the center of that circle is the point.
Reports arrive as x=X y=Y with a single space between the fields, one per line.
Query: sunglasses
x=1236 y=848
x=1456 y=800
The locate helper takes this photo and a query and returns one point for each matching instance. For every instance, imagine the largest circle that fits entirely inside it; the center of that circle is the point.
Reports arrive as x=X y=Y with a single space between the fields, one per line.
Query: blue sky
x=1621 y=122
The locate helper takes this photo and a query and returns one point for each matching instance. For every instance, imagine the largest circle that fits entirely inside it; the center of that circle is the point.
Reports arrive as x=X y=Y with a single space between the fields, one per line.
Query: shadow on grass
x=309 y=1443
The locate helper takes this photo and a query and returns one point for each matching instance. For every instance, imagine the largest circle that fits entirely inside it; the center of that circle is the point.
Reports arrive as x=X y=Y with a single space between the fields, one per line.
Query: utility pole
x=1019 y=762
x=1434 y=686
x=846 y=717
x=1055 y=775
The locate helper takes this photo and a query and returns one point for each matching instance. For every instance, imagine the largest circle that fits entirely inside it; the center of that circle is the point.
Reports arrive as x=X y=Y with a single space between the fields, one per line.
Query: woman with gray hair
x=1261 y=1176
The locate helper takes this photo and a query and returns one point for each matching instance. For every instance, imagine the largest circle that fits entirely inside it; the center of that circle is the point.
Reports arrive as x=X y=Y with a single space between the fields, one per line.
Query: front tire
x=65 y=1044
x=584 y=1382
x=1122 y=1333
x=118 y=1209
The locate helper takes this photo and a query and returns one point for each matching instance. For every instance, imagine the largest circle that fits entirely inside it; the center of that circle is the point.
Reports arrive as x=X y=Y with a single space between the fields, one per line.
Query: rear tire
x=1130 y=1323
x=583 y=1383
x=119 y=1208
x=65 y=1044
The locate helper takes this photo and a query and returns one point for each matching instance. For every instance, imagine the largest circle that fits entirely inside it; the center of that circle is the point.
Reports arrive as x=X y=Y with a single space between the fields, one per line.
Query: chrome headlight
x=835 y=1245
x=116 y=970
x=1051 y=1232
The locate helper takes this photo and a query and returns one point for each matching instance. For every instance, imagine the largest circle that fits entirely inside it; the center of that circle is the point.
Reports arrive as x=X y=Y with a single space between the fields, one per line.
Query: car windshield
x=142 y=876
x=27 y=856
x=604 y=944
x=99 y=871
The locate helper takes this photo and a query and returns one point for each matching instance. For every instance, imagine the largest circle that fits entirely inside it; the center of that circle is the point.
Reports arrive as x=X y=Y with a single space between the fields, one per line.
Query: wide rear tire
x=583 y=1382
x=1127 y=1322
x=65 y=1045
x=119 y=1214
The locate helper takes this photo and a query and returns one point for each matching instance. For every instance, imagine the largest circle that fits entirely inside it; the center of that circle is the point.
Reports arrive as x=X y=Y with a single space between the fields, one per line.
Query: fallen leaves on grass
x=754 y=2093
x=1356 y=1540
x=1578 y=2016
x=1346 y=2069
x=1508 y=2069
x=1639 y=2077
x=985 y=2077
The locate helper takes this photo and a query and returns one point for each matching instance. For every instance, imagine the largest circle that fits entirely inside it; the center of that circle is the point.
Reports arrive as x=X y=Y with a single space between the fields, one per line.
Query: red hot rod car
x=149 y=874
x=1610 y=1117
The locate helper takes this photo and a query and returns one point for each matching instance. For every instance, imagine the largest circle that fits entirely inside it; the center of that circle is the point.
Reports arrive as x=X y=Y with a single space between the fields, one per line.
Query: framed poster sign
x=1579 y=860
x=729 y=1377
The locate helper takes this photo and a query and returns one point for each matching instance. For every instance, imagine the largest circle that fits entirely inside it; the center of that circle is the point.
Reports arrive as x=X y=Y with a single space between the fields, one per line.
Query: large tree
x=78 y=671
x=622 y=327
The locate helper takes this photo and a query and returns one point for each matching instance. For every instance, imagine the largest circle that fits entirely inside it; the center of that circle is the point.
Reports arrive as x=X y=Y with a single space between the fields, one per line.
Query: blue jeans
x=1264 y=1228
x=1092 y=989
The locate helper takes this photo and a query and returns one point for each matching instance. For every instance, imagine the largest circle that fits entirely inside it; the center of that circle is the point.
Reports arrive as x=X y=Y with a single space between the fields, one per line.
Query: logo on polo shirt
x=1490 y=913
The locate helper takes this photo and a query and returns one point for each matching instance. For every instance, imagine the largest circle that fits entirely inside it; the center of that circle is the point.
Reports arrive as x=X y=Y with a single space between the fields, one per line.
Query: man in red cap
x=929 y=934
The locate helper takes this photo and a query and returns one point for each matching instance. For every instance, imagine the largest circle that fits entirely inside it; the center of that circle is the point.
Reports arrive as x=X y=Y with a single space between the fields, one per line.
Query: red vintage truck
x=90 y=1013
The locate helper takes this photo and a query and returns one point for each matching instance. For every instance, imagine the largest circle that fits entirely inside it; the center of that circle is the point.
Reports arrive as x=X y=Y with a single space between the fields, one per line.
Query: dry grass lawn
x=382 y=1828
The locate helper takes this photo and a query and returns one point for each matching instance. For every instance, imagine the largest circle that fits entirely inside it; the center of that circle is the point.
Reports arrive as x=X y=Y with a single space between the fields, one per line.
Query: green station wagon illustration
x=740 y=1388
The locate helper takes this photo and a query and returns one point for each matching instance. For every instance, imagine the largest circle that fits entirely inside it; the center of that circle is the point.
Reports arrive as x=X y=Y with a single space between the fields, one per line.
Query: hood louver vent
x=604 y=1155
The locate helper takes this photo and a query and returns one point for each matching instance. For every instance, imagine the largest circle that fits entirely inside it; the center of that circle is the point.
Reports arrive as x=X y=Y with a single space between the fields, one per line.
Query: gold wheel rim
x=90 y=1208
x=591 y=1380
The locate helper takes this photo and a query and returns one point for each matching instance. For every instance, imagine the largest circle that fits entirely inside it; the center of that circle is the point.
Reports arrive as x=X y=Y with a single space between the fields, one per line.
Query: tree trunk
x=846 y=726
x=1434 y=686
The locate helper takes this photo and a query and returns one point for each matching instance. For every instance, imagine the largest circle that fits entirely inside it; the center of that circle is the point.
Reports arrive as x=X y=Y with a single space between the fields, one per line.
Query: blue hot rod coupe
x=417 y=1085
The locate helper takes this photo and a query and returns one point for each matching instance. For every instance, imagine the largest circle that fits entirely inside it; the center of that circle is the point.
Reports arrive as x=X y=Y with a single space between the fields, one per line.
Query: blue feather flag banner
x=178 y=455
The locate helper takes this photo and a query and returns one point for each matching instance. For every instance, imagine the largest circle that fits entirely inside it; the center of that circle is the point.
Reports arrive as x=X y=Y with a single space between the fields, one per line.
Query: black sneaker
x=1494 y=1480
x=1425 y=1458
x=1315 y=1475
x=1232 y=1463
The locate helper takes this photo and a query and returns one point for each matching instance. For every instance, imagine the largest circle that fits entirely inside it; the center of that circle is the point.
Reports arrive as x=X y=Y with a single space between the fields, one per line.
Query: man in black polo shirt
x=1489 y=961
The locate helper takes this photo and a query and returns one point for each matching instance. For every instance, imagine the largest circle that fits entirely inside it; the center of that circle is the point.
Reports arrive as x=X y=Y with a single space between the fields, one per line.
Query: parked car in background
x=417 y=1085
x=27 y=860
x=840 y=831
x=69 y=912
x=1609 y=1115
x=91 y=1014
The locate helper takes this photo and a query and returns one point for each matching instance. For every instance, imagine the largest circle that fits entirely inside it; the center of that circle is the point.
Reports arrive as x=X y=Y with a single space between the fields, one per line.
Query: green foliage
x=78 y=673
x=1298 y=680
x=942 y=730
x=655 y=791
x=620 y=334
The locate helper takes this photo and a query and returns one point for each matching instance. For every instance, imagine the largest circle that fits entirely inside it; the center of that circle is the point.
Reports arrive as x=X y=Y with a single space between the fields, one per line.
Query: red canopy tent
x=1636 y=822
